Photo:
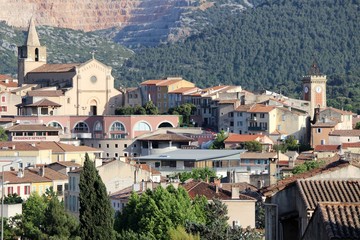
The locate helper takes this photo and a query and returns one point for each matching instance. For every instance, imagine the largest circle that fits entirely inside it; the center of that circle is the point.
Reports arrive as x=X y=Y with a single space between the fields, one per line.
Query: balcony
x=259 y=129
x=81 y=135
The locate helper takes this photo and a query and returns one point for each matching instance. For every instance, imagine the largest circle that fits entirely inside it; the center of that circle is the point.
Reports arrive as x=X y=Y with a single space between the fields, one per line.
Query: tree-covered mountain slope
x=270 y=46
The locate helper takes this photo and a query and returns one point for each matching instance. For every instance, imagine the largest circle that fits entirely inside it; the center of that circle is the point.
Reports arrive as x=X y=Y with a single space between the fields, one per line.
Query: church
x=64 y=89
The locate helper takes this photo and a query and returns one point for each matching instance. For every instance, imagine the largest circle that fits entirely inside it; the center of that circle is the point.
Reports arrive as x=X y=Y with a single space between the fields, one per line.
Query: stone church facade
x=87 y=88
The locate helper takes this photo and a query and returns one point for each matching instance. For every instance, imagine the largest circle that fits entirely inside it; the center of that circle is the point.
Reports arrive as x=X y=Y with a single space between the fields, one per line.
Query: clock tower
x=314 y=88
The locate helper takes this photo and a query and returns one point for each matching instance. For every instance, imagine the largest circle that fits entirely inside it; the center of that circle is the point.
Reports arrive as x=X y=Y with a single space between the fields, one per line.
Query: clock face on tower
x=318 y=89
x=306 y=89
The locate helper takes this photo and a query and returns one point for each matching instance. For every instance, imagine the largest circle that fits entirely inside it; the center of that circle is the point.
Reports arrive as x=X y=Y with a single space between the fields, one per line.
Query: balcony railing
x=81 y=135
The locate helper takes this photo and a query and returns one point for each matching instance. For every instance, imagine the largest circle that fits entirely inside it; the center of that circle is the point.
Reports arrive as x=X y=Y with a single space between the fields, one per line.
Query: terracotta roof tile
x=147 y=168
x=259 y=108
x=337 y=110
x=168 y=82
x=342 y=220
x=31 y=127
x=185 y=90
x=17 y=146
x=28 y=177
x=290 y=181
x=167 y=137
x=244 y=108
x=3 y=77
x=45 y=93
x=62 y=67
x=351 y=145
x=66 y=163
x=10 y=84
x=237 y=138
x=151 y=82
x=327 y=148
x=354 y=132
x=313 y=191
x=50 y=174
x=42 y=103
x=62 y=147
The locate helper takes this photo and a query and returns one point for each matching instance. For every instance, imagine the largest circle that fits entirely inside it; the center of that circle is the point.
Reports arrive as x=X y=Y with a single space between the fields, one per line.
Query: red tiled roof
x=147 y=168
x=151 y=82
x=66 y=164
x=327 y=148
x=62 y=67
x=45 y=93
x=50 y=174
x=351 y=145
x=31 y=127
x=313 y=191
x=168 y=82
x=3 y=77
x=184 y=90
x=10 y=84
x=17 y=146
x=62 y=147
x=236 y=138
x=342 y=220
x=259 y=108
x=337 y=110
x=28 y=177
x=43 y=103
x=166 y=137
x=290 y=181
x=244 y=108
x=349 y=133
x=258 y=155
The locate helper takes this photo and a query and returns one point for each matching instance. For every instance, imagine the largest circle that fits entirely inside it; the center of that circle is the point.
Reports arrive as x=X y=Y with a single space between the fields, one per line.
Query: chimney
x=20 y=173
x=272 y=171
x=42 y=171
x=234 y=193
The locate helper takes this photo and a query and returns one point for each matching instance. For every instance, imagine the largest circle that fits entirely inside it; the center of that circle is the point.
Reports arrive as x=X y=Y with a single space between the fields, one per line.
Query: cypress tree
x=96 y=214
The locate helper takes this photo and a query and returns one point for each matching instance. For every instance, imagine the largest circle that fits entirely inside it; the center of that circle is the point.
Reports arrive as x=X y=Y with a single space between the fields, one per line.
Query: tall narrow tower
x=31 y=55
x=314 y=88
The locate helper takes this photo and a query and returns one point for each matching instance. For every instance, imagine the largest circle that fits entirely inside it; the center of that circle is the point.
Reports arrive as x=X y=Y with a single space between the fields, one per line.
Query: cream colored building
x=88 y=88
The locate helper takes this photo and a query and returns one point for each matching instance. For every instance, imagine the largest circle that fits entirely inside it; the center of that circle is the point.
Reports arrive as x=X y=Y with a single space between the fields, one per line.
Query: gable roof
x=327 y=148
x=151 y=82
x=291 y=181
x=348 y=133
x=66 y=164
x=58 y=67
x=45 y=93
x=260 y=108
x=314 y=191
x=167 y=137
x=351 y=145
x=185 y=90
x=341 y=220
x=17 y=146
x=28 y=177
x=337 y=110
x=50 y=174
x=31 y=127
x=43 y=103
x=58 y=147
x=235 y=138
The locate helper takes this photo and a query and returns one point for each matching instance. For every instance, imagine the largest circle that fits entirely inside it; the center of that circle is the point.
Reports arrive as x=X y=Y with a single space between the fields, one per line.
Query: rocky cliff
x=87 y=15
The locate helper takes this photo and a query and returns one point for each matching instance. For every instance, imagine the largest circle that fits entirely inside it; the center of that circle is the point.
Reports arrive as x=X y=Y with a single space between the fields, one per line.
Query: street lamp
x=2 y=195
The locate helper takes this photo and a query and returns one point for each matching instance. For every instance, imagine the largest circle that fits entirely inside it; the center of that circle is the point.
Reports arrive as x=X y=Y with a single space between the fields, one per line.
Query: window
x=116 y=145
x=10 y=190
x=117 y=126
x=142 y=126
x=3 y=99
x=18 y=190
x=116 y=155
x=318 y=130
x=117 y=136
x=3 y=109
x=55 y=125
x=68 y=100
x=81 y=127
x=107 y=145
x=239 y=114
x=231 y=124
x=125 y=145
x=98 y=127
x=26 y=190
x=99 y=145
x=262 y=115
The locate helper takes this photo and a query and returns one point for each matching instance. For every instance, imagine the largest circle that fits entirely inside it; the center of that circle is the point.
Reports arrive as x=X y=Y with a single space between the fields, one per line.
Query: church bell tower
x=314 y=88
x=31 y=55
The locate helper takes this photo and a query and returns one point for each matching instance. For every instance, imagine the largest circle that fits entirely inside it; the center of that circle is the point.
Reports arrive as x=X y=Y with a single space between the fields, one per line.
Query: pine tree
x=96 y=215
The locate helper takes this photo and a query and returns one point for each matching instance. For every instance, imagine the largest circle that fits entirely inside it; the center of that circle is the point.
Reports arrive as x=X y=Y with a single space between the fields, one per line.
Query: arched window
x=81 y=127
x=117 y=127
x=55 y=125
x=142 y=126
x=117 y=131
x=165 y=124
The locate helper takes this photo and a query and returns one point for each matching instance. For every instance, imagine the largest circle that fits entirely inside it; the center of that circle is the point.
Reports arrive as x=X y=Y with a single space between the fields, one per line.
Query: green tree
x=253 y=146
x=219 y=141
x=180 y=233
x=291 y=143
x=58 y=223
x=151 y=109
x=185 y=110
x=357 y=125
x=3 y=135
x=96 y=215
x=155 y=212
x=12 y=199
x=307 y=166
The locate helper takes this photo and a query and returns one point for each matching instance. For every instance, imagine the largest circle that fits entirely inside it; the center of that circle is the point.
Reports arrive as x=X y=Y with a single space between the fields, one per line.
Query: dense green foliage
x=197 y=174
x=270 y=46
x=218 y=143
x=148 y=109
x=307 y=166
x=96 y=214
x=3 y=135
x=253 y=146
x=12 y=199
x=185 y=110
x=43 y=217
x=217 y=228
x=154 y=213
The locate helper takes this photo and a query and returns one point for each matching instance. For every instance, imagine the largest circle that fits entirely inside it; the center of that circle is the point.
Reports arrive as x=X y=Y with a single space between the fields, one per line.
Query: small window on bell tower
x=36 y=54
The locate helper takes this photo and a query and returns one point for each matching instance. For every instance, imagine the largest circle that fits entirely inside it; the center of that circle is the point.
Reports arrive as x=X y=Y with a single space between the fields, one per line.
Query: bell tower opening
x=36 y=54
